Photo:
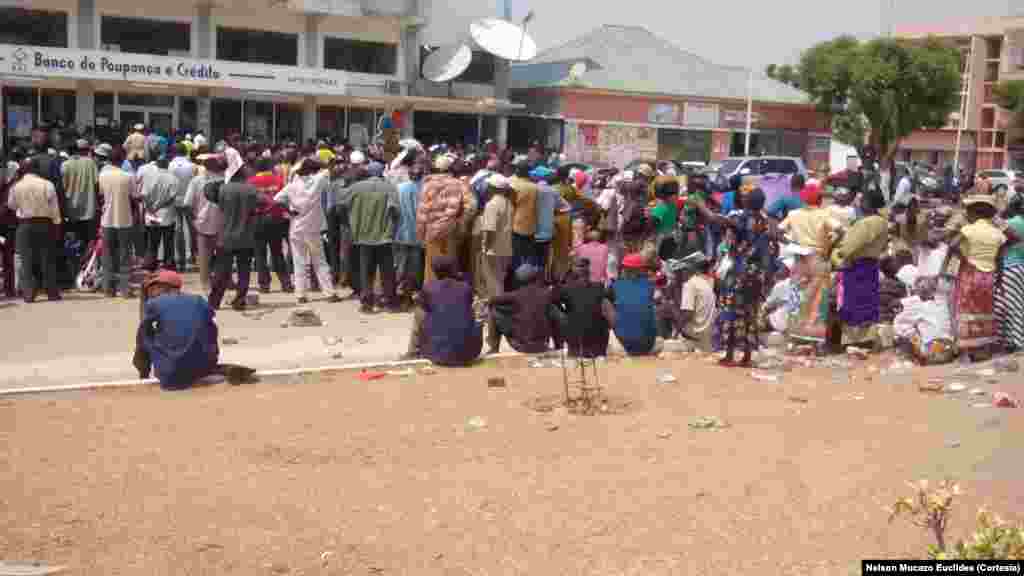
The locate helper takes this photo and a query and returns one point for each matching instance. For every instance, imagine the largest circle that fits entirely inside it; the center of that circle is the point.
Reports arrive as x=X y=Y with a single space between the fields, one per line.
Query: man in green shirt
x=665 y=213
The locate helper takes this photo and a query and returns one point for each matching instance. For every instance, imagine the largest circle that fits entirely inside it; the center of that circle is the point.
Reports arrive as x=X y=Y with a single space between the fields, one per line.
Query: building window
x=140 y=36
x=360 y=126
x=188 y=117
x=359 y=56
x=480 y=70
x=257 y=46
x=33 y=27
x=58 y=107
x=146 y=100
x=225 y=119
x=289 y=122
x=259 y=118
x=330 y=122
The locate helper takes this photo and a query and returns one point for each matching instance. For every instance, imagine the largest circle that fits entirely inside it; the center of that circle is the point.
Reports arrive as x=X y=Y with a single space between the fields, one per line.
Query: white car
x=1001 y=180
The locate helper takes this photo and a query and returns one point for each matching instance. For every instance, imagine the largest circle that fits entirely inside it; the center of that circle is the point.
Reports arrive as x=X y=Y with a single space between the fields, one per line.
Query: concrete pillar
x=87 y=25
x=312 y=47
x=309 y=118
x=203 y=123
x=85 y=103
x=501 y=77
x=204 y=32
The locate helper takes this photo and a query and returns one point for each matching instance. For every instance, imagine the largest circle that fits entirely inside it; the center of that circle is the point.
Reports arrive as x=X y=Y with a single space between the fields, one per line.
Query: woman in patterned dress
x=742 y=287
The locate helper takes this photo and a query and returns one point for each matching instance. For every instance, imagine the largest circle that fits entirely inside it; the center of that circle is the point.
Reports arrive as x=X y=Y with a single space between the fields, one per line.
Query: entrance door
x=158 y=119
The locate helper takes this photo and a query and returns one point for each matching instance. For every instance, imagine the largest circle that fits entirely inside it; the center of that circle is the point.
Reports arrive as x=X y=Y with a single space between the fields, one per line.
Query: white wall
x=448 y=20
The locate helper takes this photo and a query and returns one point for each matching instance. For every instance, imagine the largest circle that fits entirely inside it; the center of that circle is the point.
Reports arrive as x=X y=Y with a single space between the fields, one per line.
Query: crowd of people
x=490 y=245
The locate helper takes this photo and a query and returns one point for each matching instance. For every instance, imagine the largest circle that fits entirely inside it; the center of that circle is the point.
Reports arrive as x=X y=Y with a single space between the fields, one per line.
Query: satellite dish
x=578 y=70
x=447 y=62
x=503 y=39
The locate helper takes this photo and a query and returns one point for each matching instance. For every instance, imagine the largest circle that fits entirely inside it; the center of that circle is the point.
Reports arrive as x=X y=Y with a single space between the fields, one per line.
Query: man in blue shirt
x=177 y=338
x=633 y=295
x=792 y=201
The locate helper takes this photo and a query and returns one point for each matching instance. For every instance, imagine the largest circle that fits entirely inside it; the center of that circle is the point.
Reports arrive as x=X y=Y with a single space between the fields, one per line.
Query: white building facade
x=271 y=70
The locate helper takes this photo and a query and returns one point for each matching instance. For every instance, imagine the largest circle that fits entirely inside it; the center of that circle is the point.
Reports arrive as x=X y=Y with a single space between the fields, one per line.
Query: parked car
x=926 y=181
x=1002 y=181
x=736 y=168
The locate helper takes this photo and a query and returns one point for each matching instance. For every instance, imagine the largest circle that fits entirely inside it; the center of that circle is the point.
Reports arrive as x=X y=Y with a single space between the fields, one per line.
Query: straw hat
x=980 y=199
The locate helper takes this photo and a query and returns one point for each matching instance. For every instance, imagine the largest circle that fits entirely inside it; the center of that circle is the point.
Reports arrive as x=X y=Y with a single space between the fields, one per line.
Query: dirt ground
x=440 y=474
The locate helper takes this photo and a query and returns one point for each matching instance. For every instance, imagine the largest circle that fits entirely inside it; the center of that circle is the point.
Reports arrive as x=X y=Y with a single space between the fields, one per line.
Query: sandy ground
x=336 y=475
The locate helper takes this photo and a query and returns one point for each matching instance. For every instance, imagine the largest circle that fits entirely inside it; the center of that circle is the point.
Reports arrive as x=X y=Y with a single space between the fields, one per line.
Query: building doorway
x=160 y=120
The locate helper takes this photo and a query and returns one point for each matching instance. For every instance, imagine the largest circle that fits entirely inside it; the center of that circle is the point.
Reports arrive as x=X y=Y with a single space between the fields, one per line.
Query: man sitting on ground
x=633 y=294
x=586 y=315
x=522 y=315
x=444 y=328
x=177 y=338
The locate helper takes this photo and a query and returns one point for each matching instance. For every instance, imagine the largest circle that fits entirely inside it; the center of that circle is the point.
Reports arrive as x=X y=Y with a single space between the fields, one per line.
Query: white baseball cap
x=357 y=157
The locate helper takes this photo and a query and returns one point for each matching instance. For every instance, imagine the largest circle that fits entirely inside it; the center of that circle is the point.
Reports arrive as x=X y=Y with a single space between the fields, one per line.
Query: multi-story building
x=990 y=137
x=269 y=69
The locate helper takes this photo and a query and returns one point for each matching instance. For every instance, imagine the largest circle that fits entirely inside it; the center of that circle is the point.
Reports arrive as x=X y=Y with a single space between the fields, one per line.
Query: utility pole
x=750 y=109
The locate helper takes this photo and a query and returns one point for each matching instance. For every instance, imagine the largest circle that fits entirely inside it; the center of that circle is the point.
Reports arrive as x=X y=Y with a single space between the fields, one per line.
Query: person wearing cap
x=159 y=189
x=272 y=228
x=633 y=296
x=408 y=246
x=184 y=171
x=522 y=316
x=445 y=201
x=135 y=143
x=239 y=202
x=549 y=203
x=33 y=199
x=978 y=248
x=373 y=213
x=207 y=216
x=302 y=196
x=496 y=228
x=177 y=337
x=857 y=259
x=81 y=177
x=117 y=223
x=524 y=216
x=445 y=329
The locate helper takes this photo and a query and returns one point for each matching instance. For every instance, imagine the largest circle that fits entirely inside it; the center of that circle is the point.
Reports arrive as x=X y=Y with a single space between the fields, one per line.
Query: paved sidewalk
x=88 y=338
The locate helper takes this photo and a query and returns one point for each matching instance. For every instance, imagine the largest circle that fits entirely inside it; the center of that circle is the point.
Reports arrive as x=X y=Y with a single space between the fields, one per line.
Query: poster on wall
x=590 y=134
x=572 y=142
x=663 y=114
x=203 y=116
x=19 y=121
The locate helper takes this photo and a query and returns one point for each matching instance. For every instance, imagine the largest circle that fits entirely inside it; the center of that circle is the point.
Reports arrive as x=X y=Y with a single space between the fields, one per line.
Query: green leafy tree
x=1010 y=95
x=785 y=73
x=881 y=91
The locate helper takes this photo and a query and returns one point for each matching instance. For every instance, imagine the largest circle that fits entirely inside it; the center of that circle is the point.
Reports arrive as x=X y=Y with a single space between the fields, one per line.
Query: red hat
x=167 y=278
x=811 y=194
x=634 y=262
x=581 y=179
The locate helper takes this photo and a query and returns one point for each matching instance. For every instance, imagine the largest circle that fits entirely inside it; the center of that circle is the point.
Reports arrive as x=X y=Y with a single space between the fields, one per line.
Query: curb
x=261 y=373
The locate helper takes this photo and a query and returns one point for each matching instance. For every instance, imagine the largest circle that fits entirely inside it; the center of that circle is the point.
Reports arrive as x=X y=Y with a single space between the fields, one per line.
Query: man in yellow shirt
x=524 y=215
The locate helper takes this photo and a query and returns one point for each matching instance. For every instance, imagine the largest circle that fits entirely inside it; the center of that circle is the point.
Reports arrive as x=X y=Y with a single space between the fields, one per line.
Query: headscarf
x=165 y=277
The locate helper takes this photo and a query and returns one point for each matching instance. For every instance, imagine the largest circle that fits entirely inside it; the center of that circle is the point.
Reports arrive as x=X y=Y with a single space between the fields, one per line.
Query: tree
x=881 y=91
x=1010 y=95
x=785 y=73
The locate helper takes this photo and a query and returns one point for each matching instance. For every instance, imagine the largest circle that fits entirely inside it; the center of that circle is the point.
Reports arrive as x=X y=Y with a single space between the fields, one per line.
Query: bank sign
x=34 y=62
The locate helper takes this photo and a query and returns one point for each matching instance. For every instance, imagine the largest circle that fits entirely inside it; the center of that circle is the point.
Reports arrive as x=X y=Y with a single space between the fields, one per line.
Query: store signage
x=698 y=115
x=39 y=62
x=739 y=118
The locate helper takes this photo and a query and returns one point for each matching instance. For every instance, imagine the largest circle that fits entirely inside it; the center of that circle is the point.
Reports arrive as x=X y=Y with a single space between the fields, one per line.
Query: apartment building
x=269 y=69
x=990 y=136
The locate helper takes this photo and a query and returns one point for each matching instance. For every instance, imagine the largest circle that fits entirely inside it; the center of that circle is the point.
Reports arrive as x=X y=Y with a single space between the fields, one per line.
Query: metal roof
x=632 y=59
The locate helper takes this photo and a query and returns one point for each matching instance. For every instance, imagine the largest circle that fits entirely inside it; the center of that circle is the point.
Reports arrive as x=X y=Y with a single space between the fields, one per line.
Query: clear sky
x=738 y=32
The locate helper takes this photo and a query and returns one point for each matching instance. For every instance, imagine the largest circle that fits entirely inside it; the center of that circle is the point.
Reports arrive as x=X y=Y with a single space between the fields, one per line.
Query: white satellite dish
x=578 y=70
x=503 y=39
x=447 y=62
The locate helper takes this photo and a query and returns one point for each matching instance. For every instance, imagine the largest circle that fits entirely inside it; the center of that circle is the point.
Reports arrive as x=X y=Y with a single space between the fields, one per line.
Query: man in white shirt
x=159 y=190
x=184 y=236
x=697 y=306
x=496 y=226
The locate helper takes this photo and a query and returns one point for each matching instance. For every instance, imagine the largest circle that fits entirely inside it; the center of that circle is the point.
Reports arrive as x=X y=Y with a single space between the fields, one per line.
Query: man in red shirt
x=271 y=228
